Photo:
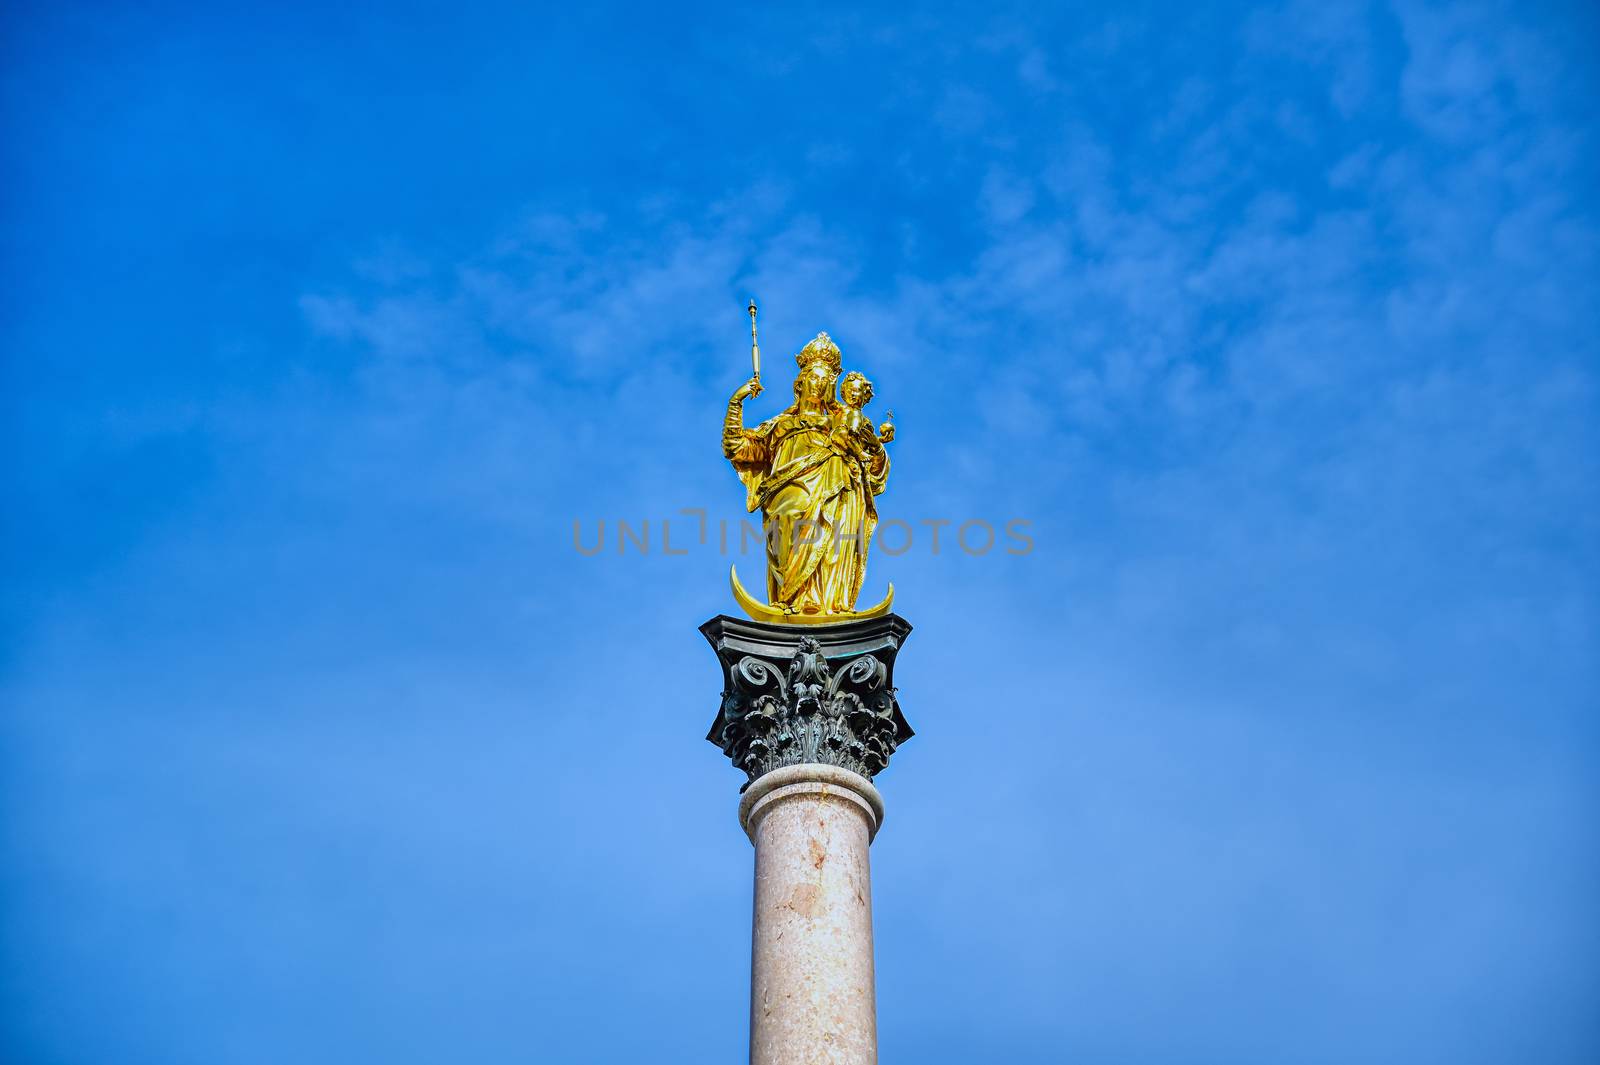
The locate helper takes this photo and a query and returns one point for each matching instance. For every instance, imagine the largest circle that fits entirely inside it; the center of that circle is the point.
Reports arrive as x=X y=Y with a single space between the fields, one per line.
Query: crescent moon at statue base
x=777 y=615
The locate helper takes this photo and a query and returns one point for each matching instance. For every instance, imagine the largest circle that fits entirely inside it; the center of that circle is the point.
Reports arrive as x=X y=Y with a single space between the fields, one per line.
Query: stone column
x=811 y=983
x=810 y=714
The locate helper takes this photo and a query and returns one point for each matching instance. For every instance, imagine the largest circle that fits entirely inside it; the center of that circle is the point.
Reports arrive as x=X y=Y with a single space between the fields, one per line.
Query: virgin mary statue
x=812 y=471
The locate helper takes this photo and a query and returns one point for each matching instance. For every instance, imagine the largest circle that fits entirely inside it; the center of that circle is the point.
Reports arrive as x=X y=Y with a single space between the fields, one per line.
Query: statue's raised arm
x=739 y=445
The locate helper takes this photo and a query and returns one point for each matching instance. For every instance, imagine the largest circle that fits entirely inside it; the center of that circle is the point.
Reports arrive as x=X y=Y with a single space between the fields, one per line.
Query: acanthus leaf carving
x=804 y=701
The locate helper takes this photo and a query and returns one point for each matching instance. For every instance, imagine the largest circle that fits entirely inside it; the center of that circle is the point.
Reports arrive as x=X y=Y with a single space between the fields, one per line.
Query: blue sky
x=320 y=742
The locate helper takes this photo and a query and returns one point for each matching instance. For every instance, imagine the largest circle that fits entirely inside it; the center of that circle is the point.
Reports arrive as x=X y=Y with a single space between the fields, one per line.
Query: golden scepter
x=755 y=351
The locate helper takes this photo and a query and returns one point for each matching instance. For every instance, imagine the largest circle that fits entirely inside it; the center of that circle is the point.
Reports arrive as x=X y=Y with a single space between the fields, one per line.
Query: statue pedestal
x=809 y=713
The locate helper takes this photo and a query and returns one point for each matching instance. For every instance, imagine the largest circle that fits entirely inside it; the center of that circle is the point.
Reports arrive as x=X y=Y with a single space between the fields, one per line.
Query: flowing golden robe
x=815 y=490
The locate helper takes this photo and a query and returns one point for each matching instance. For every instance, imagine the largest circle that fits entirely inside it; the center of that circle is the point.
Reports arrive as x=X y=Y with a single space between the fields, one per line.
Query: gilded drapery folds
x=814 y=471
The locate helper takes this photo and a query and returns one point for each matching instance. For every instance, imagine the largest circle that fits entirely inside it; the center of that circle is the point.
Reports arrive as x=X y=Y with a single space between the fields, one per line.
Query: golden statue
x=813 y=471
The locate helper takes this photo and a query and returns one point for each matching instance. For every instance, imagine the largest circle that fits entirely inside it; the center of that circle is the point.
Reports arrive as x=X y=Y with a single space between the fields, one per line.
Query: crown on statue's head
x=822 y=350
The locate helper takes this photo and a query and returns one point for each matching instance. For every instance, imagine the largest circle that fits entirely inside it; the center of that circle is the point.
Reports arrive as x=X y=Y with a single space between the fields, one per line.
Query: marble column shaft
x=812 y=998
